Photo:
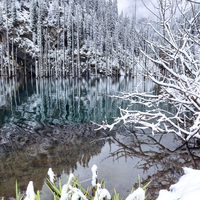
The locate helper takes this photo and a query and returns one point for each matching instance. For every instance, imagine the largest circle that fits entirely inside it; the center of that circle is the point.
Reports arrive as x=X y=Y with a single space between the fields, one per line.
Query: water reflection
x=34 y=134
x=61 y=147
x=63 y=100
x=120 y=156
x=45 y=123
x=159 y=158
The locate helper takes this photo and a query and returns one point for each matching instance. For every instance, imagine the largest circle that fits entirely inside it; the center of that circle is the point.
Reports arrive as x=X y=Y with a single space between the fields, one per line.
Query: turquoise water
x=47 y=123
x=63 y=100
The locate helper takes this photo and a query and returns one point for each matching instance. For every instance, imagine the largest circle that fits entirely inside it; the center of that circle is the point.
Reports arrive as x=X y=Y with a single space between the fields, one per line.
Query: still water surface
x=61 y=101
x=47 y=123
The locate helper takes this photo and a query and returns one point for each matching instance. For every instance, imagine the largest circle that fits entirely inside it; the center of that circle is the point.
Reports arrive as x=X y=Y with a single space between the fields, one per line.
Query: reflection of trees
x=64 y=147
x=30 y=139
x=60 y=147
x=8 y=89
x=65 y=100
x=163 y=154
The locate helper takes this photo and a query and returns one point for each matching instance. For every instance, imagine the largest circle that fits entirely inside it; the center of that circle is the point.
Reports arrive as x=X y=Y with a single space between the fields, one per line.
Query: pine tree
x=115 y=36
x=1 y=16
x=95 y=39
x=69 y=30
x=93 y=24
x=14 y=13
x=78 y=25
x=33 y=15
x=87 y=30
x=121 y=28
x=91 y=5
x=73 y=48
x=133 y=41
x=115 y=10
x=72 y=7
x=84 y=27
x=45 y=9
x=70 y=34
x=6 y=7
x=40 y=37
x=63 y=36
x=100 y=38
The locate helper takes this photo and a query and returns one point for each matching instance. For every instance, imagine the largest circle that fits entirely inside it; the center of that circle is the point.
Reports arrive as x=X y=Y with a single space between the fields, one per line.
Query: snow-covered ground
x=187 y=188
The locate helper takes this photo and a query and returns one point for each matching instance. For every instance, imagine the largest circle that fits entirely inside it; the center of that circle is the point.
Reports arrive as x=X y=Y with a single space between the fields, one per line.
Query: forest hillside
x=61 y=37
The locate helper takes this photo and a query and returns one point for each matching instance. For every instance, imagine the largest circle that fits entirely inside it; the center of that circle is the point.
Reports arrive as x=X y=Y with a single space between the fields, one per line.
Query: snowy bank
x=187 y=188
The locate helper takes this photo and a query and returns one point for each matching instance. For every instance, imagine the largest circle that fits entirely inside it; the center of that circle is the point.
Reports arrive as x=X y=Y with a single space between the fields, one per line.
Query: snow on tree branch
x=174 y=53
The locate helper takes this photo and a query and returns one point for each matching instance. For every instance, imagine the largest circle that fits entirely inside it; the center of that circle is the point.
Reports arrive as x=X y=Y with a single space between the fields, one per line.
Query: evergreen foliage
x=76 y=30
x=1 y=16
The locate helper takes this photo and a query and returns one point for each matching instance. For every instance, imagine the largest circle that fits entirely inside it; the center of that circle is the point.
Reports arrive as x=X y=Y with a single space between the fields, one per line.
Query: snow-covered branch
x=174 y=53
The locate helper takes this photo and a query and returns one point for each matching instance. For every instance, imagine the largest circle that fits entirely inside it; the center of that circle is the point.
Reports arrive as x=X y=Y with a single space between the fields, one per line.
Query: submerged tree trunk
x=64 y=21
x=56 y=63
x=72 y=47
x=78 y=51
x=16 y=63
x=7 y=43
x=36 y=69
x=12 y=57
x=95 y=62
x=1 y=60
x=25 y=65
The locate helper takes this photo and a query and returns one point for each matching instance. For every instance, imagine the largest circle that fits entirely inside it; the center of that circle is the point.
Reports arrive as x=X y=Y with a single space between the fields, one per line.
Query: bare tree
x=173 y=52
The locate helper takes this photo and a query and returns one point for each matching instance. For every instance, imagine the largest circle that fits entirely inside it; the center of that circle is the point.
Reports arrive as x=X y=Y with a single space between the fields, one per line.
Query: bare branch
x=194 y=1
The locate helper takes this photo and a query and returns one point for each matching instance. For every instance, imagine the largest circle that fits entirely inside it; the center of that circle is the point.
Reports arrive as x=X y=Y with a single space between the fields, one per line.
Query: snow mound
x=187 y=188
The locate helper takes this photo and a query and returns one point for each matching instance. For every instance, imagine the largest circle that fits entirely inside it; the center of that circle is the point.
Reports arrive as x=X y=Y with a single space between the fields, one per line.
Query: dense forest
x=57 y=38
x=76 y=37
x=66 y=37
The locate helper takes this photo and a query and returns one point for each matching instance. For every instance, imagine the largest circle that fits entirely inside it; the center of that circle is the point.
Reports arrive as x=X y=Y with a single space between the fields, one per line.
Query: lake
x=47 y=122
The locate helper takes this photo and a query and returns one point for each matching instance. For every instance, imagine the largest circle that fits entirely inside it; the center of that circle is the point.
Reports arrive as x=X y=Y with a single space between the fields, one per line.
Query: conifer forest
x=67 y=37
x=87 y=83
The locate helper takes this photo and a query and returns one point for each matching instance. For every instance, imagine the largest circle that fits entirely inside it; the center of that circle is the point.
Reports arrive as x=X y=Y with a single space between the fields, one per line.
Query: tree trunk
x=72 y=48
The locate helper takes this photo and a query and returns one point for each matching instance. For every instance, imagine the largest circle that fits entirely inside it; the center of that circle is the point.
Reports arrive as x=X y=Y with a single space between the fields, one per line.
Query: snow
x=69 y=191
x=100 y=193
x=91 y=48
x=64 y=194
x=51 y=175
x=187 y=188
x=30 y=195
x=75 y=196
x=94 y=175
x=104 y=194
x=70 y=178
x=138 y=194
x=166 y=195
x=77 y=193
